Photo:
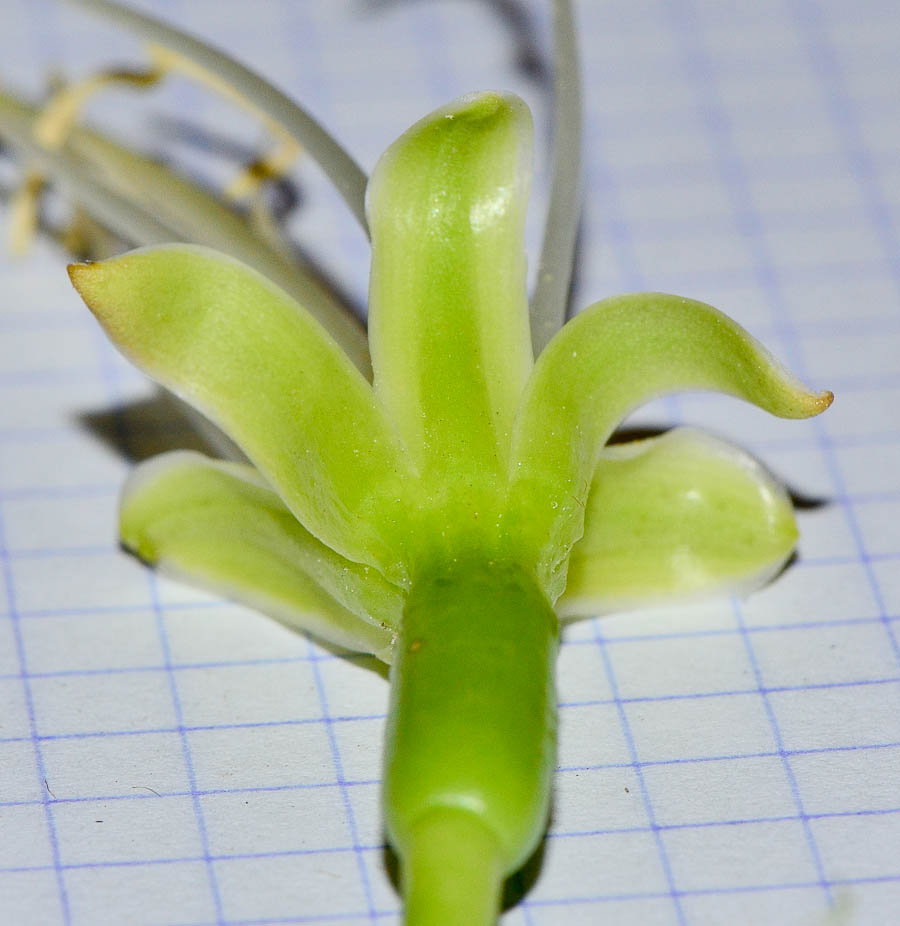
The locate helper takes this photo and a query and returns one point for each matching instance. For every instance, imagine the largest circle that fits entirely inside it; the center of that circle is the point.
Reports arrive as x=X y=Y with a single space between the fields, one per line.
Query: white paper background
x=166 y=758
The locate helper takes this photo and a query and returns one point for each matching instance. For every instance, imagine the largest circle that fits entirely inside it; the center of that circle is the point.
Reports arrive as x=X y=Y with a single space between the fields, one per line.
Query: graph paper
x=170 y=758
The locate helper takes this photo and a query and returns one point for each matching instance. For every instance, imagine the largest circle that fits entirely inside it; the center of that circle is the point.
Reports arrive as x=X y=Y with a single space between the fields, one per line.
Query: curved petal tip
x=823 y=401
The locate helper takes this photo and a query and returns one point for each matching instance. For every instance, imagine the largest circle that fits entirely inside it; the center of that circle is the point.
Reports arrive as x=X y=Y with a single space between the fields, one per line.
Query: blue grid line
x=712 y=824
x=733 y=278
x=124 y=608
x=339 y=775
x=863 y=498
x=202 y=792
x=663 y=895
x=627 y=263
x=181 y=859
x=662 y=852
x=109 y=375
x=599 y=900
x=849 y=499
x=61 y=889
x=811 y=30
x=185 y=747
x=668 y=227
x=715 y=120
x=315 y=918
x=305 y=721
x=313 y=659
x=752 y=230
x=351 y=240
x=824 y=63
x=357 y=849
x=856 y=532
x=293 y=15
x=85 y=490
x=760 y=689
x=36 y=41
x=356 y=845
x=811 y=328
x=656 y=123
x=887 y=436
x=794 y=786
x=157 y=610
x=322 y=656
x=712 y=891
x=40 y=766
x=620 y=239
x=617 y=638
x=783 y=166
x=850 y=269
x=866 y=439
x=847 y=560
x=844 y=498
x=733 y=67
x=730 y=631
x=836 y=269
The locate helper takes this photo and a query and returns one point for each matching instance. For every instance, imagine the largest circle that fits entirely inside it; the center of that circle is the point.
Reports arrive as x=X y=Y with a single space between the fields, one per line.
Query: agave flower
x=445 y=515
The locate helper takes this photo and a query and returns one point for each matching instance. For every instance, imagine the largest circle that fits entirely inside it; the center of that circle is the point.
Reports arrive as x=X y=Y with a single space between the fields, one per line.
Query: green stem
x=470 y=743
x=454 y=872
x=554 y=273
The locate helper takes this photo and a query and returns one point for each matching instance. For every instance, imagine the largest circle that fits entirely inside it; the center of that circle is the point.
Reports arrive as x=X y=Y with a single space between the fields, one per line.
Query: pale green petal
x=147 y=203
x=448 y=316
x=679 y=516
x=608 y=360
x=197 y=217
x=225 y=339
x=222 y=527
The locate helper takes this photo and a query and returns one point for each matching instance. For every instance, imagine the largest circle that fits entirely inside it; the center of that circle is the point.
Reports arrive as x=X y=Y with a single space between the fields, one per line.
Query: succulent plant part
x=442 y=493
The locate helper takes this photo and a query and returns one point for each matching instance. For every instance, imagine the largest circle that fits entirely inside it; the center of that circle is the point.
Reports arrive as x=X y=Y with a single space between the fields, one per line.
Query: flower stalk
x=471 y=735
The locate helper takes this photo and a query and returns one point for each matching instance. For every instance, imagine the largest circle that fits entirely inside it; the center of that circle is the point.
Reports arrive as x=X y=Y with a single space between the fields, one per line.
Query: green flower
x=436 y=516
x=436 y=497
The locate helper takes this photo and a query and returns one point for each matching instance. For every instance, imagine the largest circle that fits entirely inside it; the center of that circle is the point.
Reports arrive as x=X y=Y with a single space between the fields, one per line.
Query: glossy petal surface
x=674 y=517
x=448 y=323
x=222 y=527
x=198 y=217
x=237 y=348
x=176 y=208
x=614 y=356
